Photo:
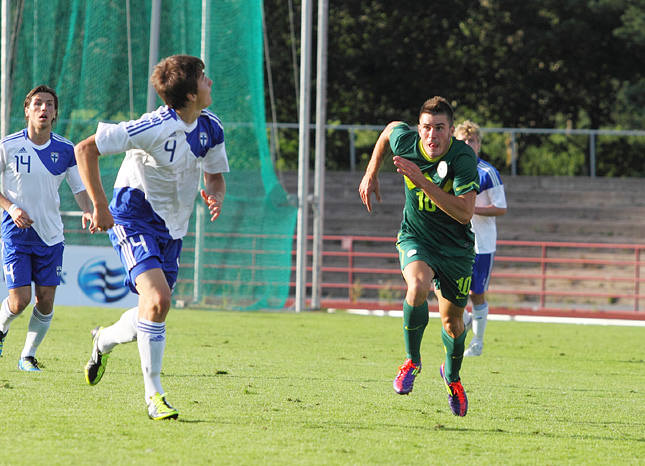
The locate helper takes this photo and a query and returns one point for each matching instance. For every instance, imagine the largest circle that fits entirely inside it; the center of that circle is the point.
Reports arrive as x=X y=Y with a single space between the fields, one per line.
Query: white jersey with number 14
x=31 y=176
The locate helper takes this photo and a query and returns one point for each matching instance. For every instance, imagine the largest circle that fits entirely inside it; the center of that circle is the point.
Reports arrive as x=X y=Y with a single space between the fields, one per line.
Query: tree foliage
x=541 y=64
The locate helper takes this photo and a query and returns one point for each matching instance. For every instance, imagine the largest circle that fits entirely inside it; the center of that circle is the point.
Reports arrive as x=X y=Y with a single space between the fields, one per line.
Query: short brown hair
x=176 y=76
x=42 y=88
x=437 y=106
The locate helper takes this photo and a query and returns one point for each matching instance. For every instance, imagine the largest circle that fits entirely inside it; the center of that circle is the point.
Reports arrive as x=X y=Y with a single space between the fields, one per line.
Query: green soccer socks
x=454 y=354
x=415 y=320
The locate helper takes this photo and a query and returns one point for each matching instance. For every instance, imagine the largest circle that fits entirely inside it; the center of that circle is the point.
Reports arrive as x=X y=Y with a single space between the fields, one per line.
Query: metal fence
x=363 y=271
x=360 y=271
x=353 y=130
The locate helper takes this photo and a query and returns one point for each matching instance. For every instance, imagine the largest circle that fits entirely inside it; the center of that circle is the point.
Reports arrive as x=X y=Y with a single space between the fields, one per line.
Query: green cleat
x=95 y=367
x=158 y=408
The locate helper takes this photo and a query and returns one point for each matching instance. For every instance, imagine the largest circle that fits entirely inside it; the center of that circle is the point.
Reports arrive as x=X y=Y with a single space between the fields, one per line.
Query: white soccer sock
x=6 y=316
x=480 y=316
x=151 y=338
x=38 y=327
x=122 y=331
x=467 y=317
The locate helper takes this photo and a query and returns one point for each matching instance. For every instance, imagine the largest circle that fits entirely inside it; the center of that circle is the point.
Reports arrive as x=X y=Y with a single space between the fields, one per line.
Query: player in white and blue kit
x=489 y=204
x=153 y=198
x=33 y=164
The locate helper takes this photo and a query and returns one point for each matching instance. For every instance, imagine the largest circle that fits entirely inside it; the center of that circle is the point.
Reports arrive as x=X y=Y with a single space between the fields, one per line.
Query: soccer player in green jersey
x=435 y=242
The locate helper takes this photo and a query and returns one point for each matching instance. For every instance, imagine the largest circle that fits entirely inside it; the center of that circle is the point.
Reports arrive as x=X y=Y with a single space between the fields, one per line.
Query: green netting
x=80 y=47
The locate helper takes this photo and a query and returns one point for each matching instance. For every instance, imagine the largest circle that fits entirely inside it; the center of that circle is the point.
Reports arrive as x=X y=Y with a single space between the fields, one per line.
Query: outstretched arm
x=369 y=183
x=87 y=158
x=214 y=193
x=461 y=208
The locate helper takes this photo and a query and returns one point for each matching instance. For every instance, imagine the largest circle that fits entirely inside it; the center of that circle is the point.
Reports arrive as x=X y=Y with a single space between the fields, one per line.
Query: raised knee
x=417 y=293
x=161 y=304
x=17 y=305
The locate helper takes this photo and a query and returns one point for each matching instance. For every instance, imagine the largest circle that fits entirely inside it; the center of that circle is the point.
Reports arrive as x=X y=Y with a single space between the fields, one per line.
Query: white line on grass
x=517 y=318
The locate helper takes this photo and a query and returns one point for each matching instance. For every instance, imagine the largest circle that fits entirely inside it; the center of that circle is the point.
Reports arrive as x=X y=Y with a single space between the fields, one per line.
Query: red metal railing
x=540 y=276
x=363 y=271
x=537 y=275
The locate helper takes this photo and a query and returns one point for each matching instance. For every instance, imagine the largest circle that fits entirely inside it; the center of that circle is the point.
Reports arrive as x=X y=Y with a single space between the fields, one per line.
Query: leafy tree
x=542 y=64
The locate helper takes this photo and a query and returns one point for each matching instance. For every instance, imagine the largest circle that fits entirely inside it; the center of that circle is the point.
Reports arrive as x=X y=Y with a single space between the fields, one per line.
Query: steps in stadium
x=557 y=209
x=565 y=209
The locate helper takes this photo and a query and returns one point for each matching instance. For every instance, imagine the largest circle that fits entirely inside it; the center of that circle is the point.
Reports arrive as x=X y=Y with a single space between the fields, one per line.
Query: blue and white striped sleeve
x=113 y=139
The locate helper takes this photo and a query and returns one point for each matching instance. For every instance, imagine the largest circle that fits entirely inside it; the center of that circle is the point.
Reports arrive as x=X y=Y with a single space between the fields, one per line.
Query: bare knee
x=45 y=299
x=477 y=298
x=19 y=299
x=453 y=324
x=417 y=292
x=453 y=328
x=156 y=306
x=17 y=305
x=161 y=304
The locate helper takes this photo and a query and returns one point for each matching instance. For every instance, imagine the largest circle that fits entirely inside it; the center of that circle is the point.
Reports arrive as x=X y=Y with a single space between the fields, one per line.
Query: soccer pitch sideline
x=256 y=388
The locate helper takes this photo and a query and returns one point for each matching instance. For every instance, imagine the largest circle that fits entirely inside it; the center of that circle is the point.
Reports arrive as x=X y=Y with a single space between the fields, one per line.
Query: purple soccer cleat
x=404 y=380
x=457 y=398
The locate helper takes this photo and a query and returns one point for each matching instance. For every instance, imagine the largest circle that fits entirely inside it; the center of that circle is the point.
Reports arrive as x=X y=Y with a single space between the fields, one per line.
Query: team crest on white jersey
x=55 y=157
x=203 y=138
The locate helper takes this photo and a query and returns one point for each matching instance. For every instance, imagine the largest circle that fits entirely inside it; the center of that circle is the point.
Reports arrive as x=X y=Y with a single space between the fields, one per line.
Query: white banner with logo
x=92 y=276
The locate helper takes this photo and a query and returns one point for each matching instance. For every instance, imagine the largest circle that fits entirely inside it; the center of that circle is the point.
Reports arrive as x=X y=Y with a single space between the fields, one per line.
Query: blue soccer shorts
x=24 y=263
x=481 y=272
x=140 y=252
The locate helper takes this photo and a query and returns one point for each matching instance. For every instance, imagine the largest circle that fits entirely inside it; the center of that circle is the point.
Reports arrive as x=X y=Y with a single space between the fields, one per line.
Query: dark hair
x=176 y=76
x=42 y=88
x=437 y=106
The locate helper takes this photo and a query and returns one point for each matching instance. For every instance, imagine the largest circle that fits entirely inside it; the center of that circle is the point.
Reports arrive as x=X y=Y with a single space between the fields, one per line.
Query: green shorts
x=453 y=274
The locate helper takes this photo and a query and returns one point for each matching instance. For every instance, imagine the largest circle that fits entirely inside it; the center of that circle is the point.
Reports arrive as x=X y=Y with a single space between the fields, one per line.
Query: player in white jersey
x=33 y=164
x=153 y=198
x=489 y=204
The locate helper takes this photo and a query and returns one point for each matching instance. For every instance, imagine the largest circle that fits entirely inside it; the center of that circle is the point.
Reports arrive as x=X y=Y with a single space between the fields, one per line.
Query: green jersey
x=456 y=173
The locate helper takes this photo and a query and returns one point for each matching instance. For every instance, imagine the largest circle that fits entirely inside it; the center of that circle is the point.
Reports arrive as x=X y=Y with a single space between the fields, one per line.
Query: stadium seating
x=569 y=209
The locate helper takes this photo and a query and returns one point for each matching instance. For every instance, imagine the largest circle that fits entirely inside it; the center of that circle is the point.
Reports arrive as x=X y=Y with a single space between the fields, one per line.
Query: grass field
x=314 y=388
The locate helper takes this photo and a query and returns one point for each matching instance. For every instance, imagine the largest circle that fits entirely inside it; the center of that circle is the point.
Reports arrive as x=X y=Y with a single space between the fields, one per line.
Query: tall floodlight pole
x=321 y=134
x=153 y=57
x=303 y=155
x=5 y=79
